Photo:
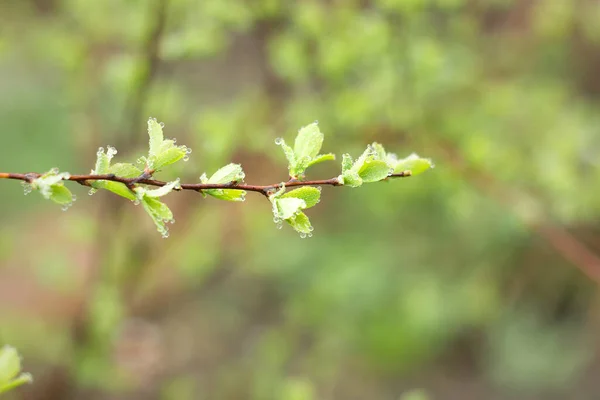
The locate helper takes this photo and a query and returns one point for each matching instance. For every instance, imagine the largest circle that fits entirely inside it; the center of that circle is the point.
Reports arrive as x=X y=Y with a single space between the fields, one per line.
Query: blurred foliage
x=456 y=277
x=10 y=370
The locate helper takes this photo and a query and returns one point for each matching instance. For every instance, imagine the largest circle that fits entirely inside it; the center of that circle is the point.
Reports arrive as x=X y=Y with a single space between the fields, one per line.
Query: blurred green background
x=476 y=280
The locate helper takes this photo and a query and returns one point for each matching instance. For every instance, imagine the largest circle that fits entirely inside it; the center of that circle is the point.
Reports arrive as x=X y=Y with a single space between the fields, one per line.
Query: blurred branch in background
x=530 y=213
x=133 y=116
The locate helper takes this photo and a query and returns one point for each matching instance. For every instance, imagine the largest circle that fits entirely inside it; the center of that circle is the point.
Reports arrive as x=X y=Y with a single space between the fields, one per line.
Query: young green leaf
x=125 y=170
x=157 y=210
x=308 y=142
x=374 y=171
x=61 y=195
x=379 y=151
x=306 y=150
x=350 y=178
x=10 y=370
x=10 y=364
x=369 y=167
x=309 y=194
x=301 y=224
x=227 y=194
x=103 y=160
x=155 y=133
x=413 y=163
x=52 y=187
x=289 y=153
x=168 y=155
x=162 y=152
x=288 y=207
x=229 y=173
x=161 y=191
x=346 y=162
x=117 y=188
x=320 y=158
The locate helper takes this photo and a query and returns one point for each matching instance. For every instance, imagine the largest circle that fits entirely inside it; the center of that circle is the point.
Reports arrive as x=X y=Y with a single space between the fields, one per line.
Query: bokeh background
x=476 y=280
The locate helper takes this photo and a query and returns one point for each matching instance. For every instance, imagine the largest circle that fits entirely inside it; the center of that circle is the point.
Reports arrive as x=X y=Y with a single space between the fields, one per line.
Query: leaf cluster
x=373 y=165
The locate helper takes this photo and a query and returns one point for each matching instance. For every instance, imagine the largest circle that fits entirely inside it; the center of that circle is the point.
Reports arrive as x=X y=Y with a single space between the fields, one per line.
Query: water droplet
x=92 y=191
x=165 y=234
x=278 y=141
x=302 y=235
x=74 y=198
x=100 y=151
x=110 y=152
x=65 y=207
x=188 y=150
x=186 y=158
x=277 y=220
x=54 y=171
x=26 y=188
x=279 y=225
x=136 y=202
x=319 y=188
x=66 y=175
x=162 y=124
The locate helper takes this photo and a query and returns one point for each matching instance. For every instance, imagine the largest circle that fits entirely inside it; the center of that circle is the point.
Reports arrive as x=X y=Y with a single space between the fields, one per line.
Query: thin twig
x=197 y=187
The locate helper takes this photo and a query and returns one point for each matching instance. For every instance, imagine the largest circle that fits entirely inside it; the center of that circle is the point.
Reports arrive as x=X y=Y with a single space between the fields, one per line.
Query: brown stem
x=197 y=187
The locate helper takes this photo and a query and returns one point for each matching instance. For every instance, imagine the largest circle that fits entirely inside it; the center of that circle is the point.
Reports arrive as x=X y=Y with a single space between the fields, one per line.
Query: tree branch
x=197 y=187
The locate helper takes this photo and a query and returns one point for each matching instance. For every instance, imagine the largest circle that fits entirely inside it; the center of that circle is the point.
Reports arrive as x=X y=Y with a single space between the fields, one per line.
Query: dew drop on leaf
x=111 y=151
x=26 y=188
